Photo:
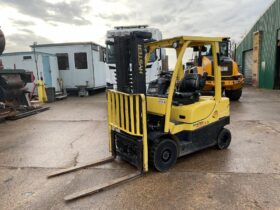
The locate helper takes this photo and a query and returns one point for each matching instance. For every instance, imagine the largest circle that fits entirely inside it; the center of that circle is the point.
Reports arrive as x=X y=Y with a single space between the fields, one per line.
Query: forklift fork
x=102 y=186
x=99 y=187
x=68 y=170
x=126 y=127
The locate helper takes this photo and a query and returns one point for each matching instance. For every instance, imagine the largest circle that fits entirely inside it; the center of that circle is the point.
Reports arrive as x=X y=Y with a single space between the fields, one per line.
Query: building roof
x=26 y=53
x=13 y=71
x=66 y=44
x=131 y=27
x=266 y=10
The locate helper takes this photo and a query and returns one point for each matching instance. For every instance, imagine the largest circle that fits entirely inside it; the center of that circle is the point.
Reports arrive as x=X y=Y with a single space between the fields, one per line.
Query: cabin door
x=47 y=71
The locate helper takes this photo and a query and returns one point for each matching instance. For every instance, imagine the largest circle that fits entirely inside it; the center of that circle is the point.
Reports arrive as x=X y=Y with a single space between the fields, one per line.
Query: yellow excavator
x=232 y=79
x=153 y=128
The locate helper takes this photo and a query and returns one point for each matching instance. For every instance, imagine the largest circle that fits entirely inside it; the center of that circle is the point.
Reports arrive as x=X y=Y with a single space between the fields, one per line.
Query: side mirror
x=203 y=49
x=195 y=49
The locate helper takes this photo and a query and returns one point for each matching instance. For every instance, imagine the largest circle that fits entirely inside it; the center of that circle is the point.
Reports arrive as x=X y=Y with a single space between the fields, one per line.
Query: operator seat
x=189 y=88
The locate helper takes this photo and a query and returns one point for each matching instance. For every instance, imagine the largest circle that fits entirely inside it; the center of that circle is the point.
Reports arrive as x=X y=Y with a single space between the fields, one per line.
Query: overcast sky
x=52 y=21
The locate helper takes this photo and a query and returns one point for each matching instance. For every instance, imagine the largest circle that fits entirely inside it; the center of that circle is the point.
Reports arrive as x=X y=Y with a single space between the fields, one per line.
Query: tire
x=224 y=139
x=233 y=95
x=163 y=154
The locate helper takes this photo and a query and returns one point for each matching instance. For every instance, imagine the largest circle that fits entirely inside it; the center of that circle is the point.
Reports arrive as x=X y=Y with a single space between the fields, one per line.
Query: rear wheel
x=163 y=154
x=233 y=95
x=224 y=139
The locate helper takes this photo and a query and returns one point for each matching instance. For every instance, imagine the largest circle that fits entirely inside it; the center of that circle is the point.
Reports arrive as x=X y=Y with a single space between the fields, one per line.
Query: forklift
x=152 y=129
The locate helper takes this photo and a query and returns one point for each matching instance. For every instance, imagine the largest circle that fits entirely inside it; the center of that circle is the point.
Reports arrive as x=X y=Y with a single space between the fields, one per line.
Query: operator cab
x=187 y=90
x=204 y=58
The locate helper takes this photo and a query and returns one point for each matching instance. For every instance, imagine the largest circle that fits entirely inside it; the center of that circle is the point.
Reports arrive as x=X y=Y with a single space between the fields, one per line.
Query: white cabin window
x=102 y=54
x=62 y=61
x=27 y=57
x=94 y=47
x=81 y=60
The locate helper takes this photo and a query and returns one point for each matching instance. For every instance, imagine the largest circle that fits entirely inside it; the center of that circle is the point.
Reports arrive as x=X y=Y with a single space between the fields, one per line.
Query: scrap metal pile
x=13 y=95
x=14 y=98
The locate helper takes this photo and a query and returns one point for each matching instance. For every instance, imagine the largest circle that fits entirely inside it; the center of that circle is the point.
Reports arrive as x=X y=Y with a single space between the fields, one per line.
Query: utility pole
x=35 y=57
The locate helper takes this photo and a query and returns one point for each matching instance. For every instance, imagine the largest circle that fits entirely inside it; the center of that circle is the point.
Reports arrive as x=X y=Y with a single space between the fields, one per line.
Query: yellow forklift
x=153 y=128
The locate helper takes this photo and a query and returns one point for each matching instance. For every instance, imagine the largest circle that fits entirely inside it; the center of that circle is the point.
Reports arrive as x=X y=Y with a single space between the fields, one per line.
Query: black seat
x=189 y=89
x=159 y=87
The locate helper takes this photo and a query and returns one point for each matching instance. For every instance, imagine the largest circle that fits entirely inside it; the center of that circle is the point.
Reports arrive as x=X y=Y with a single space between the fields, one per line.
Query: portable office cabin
x=259 y=51
x=46 y=67
x=79 y=63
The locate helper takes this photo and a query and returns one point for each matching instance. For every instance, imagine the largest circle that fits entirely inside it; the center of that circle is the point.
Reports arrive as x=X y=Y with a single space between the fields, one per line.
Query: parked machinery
x=154 y=129
x=232 y=79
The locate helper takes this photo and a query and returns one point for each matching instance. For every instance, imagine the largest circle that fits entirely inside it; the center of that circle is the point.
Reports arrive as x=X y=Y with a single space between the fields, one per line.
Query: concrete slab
x=74 y=132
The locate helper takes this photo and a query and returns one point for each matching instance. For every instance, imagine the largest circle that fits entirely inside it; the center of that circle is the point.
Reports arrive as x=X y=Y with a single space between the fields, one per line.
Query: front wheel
x=233 y=95
x=163 y=154
x=224 y=139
